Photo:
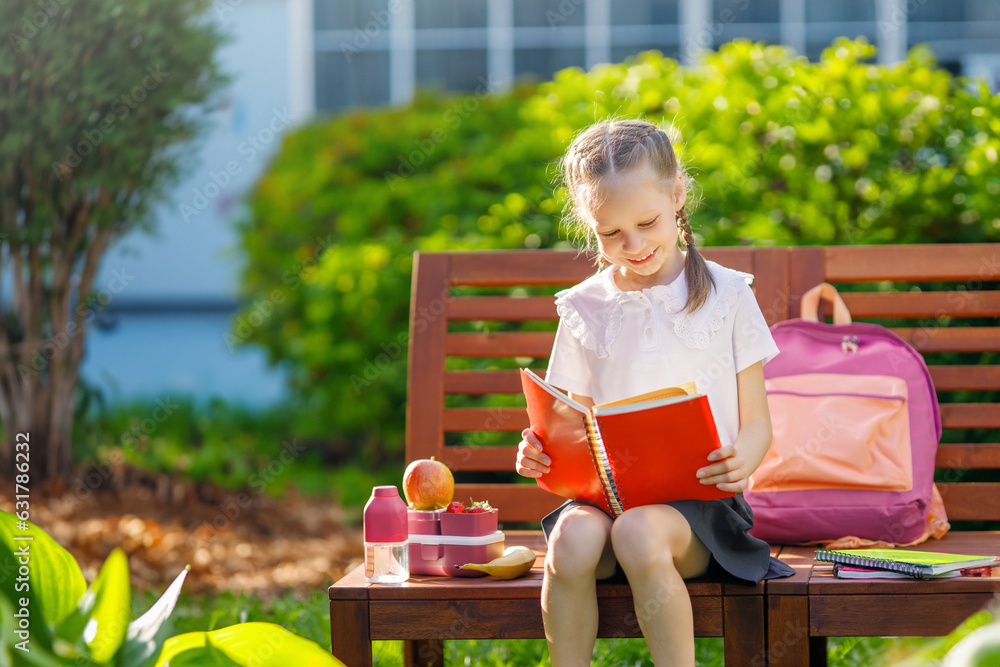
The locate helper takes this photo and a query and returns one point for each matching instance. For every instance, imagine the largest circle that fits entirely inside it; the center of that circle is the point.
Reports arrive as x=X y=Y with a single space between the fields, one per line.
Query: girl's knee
x=576 y=544
x=651 y=536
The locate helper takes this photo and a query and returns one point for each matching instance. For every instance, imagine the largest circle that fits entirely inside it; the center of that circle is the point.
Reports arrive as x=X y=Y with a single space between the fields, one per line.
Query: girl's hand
x=728 y=472
x=531 y=462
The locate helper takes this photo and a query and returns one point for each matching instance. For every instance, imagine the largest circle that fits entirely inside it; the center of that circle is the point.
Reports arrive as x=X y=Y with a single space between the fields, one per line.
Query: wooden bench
x=477 y=316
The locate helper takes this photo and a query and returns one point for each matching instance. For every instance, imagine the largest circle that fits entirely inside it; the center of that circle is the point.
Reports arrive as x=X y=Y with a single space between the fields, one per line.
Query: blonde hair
x=618 y=147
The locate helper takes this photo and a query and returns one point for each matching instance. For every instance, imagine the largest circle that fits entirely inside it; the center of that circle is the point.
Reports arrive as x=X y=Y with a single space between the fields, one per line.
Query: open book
x=641 y=451
x=919 y=564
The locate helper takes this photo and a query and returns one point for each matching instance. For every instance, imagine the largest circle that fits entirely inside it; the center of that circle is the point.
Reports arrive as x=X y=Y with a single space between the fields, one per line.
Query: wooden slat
x=922 y=304
x=425 y=374
x=537 y=344
x=971 y=262
x=805 y=271
x=771 y=283
x=971 y=456
x=895 y=615
x=977 y=501
x=738 y=258
x=952 y=339
x=554 y=267
x=476 y=383
x=970 y=415
x=459 y=458
x=492 y=458
x=520 y=267
x=501 y=308
x=957 y=378
x=516 y=619
x=506 y=420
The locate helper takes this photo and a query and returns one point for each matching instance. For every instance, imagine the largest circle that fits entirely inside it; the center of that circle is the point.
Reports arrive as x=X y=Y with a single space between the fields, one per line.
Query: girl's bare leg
x=657 y=550
x=579 y=553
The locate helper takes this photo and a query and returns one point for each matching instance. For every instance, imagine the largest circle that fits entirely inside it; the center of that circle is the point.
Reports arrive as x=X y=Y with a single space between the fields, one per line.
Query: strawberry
x=480 y=506
x=455 y=508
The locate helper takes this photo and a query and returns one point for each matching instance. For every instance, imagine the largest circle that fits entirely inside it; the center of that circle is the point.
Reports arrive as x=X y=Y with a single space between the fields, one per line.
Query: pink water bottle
x=387 y=549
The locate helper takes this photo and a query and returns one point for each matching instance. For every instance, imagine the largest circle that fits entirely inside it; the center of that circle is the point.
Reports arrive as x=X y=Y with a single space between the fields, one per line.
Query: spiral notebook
x=918 y=564
x=636 y=452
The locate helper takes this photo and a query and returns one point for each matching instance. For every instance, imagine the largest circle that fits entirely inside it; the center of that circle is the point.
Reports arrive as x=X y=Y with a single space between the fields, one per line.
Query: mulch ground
x=233 y=541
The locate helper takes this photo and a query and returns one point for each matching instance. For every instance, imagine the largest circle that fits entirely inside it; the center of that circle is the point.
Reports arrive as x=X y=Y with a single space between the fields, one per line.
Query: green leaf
x=44 y=575
x=246 y=644
x=106 y=629
x=147 y=633
x=30 y=653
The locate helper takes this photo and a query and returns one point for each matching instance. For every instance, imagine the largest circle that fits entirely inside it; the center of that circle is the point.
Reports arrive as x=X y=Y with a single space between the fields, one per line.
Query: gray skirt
x=723 y=526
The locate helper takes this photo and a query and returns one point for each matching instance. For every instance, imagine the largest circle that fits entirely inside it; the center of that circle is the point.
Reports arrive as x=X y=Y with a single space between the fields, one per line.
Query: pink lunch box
x=466 y=538
x=440 y=554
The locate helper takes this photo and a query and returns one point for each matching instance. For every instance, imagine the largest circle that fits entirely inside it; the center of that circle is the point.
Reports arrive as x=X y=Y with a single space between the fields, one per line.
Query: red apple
x=428 y=484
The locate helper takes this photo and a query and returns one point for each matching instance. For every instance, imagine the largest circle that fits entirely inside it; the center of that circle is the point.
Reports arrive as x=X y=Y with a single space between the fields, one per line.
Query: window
x=364 y=81
x=450 y=13
x=840 y=10
x=451 y=69
x=643 y=12
x=549 y=13
x=543 y=63
x=350 y=14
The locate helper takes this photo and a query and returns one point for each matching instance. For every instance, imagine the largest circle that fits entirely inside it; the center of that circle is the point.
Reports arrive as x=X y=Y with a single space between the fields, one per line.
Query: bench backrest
x=477 y=316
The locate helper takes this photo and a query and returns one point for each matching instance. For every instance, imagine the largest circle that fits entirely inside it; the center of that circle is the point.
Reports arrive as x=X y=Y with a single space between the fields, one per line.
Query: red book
x=641 y=451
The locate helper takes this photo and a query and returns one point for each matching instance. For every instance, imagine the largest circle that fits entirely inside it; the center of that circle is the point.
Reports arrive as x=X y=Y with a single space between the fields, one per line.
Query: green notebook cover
x=921 y=564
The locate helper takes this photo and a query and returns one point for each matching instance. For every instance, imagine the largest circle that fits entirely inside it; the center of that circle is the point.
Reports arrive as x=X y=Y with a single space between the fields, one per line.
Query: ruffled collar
x=593 y=310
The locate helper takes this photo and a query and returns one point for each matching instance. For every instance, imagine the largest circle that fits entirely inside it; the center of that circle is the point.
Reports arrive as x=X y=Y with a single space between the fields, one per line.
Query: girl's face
x=636 y=228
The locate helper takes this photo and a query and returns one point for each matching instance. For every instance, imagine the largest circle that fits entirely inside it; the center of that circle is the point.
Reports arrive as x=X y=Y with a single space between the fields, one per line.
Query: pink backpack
x=856 y=428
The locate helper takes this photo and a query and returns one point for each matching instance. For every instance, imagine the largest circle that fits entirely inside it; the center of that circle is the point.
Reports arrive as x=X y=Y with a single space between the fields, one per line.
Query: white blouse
x=612 y=344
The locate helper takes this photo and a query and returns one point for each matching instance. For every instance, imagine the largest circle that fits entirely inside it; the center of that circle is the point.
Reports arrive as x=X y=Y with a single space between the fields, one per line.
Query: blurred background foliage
x=783 y=151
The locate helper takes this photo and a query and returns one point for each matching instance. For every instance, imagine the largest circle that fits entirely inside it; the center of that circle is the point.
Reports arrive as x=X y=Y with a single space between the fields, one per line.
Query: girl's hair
x=618 y=147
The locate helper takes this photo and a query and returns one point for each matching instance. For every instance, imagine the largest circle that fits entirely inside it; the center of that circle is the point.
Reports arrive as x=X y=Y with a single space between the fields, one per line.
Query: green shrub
x=785 y=152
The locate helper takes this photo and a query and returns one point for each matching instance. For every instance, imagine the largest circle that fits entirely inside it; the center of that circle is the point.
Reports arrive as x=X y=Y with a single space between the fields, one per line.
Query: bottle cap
x=385 y=516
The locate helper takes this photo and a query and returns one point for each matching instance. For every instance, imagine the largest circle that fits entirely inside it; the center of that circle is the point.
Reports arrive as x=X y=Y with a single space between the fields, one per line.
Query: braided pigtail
x=700 y=282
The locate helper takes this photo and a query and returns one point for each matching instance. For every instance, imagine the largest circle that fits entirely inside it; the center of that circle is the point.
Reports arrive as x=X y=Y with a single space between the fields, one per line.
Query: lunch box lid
x=458 y=539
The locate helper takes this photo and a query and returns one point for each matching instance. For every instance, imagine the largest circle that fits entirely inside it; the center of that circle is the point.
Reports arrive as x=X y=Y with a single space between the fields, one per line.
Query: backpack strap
x=809 y=306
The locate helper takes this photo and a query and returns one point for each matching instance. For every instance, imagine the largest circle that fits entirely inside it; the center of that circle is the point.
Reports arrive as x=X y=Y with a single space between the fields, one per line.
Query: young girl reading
x=656 y=315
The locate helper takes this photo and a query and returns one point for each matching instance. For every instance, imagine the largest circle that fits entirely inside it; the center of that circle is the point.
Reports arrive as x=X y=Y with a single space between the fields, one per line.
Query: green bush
x=785 y=152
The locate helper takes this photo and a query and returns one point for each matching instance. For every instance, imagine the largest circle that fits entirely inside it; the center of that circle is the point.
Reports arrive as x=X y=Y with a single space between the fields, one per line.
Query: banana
x=515 y=562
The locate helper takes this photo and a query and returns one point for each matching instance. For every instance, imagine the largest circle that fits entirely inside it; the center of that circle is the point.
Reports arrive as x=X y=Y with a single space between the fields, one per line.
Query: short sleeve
x=752 y=341
x=568 y=367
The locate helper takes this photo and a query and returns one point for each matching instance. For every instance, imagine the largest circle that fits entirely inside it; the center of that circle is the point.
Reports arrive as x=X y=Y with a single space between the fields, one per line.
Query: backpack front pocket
x=837 y=431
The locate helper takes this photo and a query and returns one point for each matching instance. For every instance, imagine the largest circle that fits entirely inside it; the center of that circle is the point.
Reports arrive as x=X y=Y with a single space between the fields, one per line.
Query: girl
x=657 y=315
